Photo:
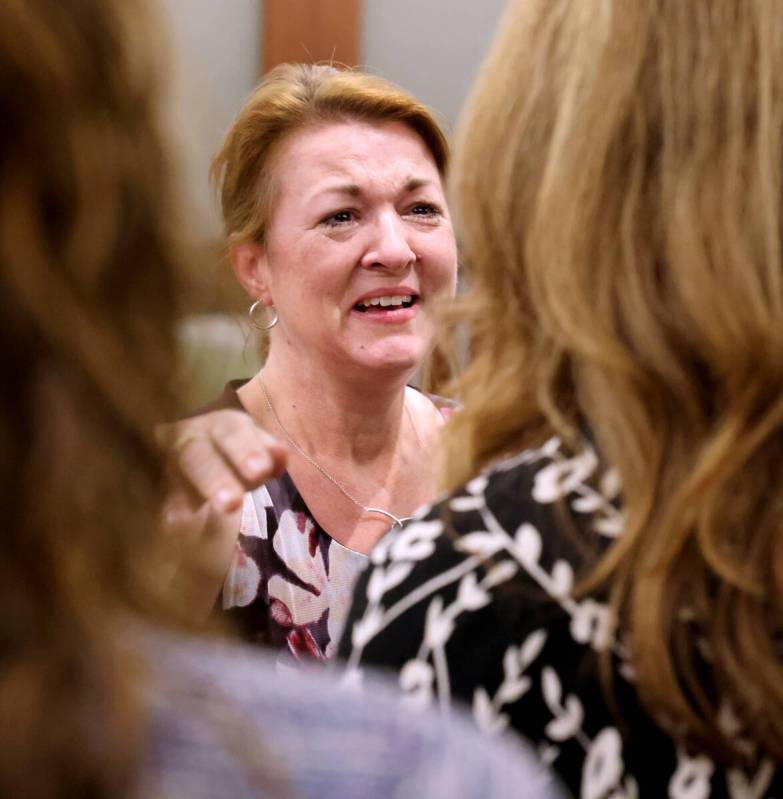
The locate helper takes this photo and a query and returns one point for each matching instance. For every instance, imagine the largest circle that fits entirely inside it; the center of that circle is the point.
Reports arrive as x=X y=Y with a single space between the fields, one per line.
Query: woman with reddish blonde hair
x=337 y=227
x=612 y=585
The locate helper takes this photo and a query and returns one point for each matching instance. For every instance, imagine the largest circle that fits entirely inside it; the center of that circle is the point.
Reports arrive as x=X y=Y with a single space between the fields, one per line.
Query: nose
x=389 y=247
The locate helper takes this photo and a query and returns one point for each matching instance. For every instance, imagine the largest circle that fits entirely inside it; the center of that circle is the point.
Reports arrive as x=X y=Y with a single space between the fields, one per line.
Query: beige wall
x=431 y=47
x=214 y=66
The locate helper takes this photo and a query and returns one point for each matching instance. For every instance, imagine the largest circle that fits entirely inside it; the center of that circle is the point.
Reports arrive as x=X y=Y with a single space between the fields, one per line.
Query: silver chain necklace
x=396 y=520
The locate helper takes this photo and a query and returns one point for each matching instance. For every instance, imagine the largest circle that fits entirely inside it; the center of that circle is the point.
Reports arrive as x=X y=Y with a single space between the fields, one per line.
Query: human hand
x=216 y=457
x=213 y=460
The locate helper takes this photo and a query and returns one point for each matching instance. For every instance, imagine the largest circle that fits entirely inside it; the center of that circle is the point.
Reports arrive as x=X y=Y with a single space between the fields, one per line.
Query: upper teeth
x=391 y=300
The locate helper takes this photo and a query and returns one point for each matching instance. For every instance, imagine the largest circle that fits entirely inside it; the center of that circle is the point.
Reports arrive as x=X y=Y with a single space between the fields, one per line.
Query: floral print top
x=290 y=583
x=473 y=601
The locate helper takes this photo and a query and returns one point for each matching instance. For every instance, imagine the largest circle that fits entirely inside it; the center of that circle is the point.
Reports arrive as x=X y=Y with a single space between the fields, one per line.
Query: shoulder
x=431 y=410
x=479 y=588
x=445 y=405
x=306 y=730
x=569 y=496
x=540 y=507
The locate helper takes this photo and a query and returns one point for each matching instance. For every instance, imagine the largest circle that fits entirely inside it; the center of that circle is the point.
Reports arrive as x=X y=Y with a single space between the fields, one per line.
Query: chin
x=404 y=360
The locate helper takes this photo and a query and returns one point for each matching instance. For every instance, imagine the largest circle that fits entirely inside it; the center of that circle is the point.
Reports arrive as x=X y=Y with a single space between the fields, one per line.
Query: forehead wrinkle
x=353 y=173
x=350 y=189
x=354 y=190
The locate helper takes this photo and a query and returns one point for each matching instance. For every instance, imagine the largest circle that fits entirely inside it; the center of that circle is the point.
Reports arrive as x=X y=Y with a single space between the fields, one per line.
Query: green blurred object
x=216 y=348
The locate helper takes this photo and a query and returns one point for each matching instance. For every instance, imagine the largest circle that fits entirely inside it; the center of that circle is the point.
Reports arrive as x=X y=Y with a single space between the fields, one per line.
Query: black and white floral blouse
x=480 y=608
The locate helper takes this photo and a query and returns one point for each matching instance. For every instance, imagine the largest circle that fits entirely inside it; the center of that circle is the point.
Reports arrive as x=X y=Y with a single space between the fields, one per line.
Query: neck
x=357 y=418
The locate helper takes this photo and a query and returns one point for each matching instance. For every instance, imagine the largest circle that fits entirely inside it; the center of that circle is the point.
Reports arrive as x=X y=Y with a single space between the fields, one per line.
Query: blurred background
x=219 y=49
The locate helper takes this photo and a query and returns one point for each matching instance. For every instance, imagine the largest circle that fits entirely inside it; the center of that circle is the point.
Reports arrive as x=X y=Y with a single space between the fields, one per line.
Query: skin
x=360 y=210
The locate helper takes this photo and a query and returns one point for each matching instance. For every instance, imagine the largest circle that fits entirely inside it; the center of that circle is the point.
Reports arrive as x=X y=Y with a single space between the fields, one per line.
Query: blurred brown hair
x=619 y=189
x=87 y=277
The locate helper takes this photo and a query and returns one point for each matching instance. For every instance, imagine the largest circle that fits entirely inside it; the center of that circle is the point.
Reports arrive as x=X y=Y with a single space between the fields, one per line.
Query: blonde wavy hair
x=295 y=96
x=618 y=185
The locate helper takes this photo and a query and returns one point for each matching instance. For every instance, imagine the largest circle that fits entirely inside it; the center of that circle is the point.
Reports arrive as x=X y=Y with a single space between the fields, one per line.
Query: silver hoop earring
x=269 y=325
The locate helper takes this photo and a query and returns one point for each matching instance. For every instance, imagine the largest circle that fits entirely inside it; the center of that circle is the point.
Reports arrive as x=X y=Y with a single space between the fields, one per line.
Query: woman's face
x=359 y=246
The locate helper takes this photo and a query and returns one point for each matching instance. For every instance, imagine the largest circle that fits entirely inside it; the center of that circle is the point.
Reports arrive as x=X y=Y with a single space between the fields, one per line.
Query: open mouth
x=391 y=302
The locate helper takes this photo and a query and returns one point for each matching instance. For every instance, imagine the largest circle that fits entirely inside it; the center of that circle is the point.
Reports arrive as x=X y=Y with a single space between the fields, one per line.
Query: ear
x=251 y=268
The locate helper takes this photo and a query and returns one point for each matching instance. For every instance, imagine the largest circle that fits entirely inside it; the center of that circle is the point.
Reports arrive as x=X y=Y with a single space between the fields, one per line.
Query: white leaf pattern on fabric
x=515 y=661
x=568 y=716
x=740 y=787
x=610 y=526
x=500 y=573
x=527 y=547
x=366 y=627
x=526 y=456
x=548 y=753
x=379 y=554
x=568 y=722
x=416 y=541
x=512 y=691
x=470 y=595
x=512 y=667
x=439 y=624
x=376 y=585
x=591 y=623
x=466 y=504
x=486 y=716
x=589 y=503
x=477 y=485
x=483 y=544
x=383 y=580
x=416 y=678
x=610 y=484
x=532 y=647
x=550 y=685
x=557 y=479
x=562 y=579
x=691 y=780
x=604 y=766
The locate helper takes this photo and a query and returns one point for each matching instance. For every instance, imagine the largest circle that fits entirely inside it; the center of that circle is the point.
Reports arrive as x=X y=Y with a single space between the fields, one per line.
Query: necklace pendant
x=396 y=521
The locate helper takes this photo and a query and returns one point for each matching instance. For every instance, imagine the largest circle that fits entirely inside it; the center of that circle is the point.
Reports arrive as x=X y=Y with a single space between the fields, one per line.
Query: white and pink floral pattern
x=290 y=583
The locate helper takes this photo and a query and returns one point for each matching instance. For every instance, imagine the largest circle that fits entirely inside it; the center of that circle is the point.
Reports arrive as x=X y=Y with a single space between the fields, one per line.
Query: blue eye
x=338 y=218
x=425 y=209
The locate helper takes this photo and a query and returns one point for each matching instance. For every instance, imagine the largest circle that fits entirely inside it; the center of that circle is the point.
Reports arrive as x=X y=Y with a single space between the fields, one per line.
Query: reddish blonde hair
x=292 y=97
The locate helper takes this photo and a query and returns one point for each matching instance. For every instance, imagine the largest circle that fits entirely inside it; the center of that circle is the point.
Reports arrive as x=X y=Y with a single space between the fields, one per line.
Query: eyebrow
x=353 y=190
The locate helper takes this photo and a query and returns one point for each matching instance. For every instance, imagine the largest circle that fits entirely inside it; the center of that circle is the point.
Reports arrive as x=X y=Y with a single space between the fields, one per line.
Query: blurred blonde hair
x=619 y=191
x=295 y=96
